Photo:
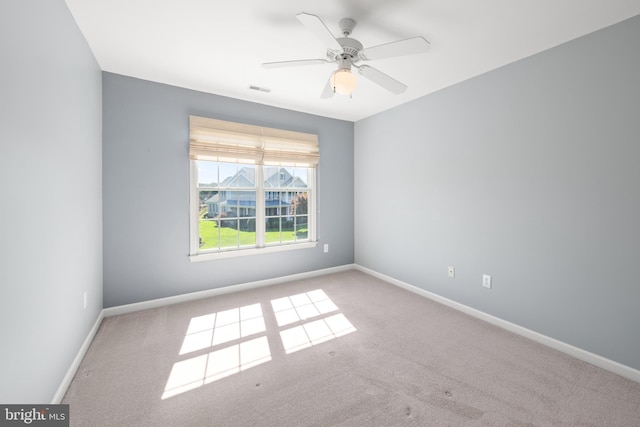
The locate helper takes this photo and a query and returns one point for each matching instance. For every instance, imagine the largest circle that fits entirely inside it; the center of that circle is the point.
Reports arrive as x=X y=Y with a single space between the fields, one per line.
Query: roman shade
x=222 y=141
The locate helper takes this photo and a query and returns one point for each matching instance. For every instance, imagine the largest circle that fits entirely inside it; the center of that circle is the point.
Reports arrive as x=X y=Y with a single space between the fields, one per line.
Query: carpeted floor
x=345 y=349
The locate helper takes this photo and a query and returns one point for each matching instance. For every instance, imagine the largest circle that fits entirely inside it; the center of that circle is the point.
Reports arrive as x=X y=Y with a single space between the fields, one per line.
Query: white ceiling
x=218 y=46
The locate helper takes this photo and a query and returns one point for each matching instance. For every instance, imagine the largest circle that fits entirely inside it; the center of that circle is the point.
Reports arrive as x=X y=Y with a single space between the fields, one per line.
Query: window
x=252 y=188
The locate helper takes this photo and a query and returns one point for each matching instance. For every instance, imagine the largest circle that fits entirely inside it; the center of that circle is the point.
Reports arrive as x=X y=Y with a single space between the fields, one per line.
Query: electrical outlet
x=486 y=281
x=326 y=248
x=452 y=272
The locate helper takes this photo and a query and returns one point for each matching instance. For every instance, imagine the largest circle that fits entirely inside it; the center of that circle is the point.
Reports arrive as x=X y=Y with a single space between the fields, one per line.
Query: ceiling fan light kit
x=347 y=52
x=343 y=82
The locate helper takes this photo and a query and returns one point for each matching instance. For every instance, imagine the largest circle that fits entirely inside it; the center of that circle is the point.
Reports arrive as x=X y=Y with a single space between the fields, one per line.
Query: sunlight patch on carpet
x=225 y=326
x=238 y=338
x=302 y=306
x=207 y=368
x=315 y=332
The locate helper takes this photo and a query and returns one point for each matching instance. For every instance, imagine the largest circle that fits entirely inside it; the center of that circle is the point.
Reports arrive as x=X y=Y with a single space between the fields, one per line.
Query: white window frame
x=196 y=255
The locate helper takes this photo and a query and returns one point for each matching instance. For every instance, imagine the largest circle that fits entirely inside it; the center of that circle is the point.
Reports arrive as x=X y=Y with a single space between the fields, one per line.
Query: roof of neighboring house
x=213 y=199
x=245 y=177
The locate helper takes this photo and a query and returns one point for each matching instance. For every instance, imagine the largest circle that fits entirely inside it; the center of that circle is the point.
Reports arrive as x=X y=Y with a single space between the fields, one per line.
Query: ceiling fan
x=348 y=52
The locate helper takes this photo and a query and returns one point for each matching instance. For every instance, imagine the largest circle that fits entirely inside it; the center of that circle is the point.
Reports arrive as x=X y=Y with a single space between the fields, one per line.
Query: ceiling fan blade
x=387 y=82
x=410 y=46
x=317 y=27
x=295 y=63
x=328 y=91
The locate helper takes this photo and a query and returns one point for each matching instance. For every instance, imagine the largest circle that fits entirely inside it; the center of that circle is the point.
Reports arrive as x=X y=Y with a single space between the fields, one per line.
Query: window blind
x=222 y=141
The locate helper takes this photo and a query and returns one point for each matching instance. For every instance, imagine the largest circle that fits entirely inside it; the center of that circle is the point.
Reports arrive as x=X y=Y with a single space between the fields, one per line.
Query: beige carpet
x=344 y=349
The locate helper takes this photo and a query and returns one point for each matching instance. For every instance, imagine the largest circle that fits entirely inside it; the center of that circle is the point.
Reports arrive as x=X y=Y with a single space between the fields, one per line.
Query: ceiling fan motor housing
x=350 y=49
x=350 y=46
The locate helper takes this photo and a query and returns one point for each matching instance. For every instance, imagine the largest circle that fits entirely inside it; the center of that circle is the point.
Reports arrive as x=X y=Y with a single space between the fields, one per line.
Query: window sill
x=208 y=256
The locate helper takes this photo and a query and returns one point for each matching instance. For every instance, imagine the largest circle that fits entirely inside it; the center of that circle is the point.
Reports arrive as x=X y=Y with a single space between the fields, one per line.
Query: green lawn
x=210 y=234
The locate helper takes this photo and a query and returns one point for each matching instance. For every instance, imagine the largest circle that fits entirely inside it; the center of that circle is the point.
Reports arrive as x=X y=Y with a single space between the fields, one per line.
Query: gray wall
x=146 y=192
x=529 y=173
x=50 y=195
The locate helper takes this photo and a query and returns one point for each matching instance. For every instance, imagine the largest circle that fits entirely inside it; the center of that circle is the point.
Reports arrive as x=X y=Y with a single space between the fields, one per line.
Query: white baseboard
x=578 y=353
x=160 y=302
x=71 y=372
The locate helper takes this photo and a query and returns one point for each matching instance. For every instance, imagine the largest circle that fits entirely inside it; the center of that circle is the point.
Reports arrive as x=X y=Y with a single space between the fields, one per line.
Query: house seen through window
x=228 y=201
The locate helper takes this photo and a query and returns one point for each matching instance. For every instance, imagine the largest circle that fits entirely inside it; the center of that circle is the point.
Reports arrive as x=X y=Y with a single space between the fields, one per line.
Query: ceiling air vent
x=259 y=88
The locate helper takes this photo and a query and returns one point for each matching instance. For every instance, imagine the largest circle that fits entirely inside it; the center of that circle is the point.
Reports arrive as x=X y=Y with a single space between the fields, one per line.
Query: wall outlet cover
x=486 y=281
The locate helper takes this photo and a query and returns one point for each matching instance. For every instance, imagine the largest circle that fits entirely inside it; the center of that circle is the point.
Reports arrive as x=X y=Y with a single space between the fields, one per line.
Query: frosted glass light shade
x=343 y=81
